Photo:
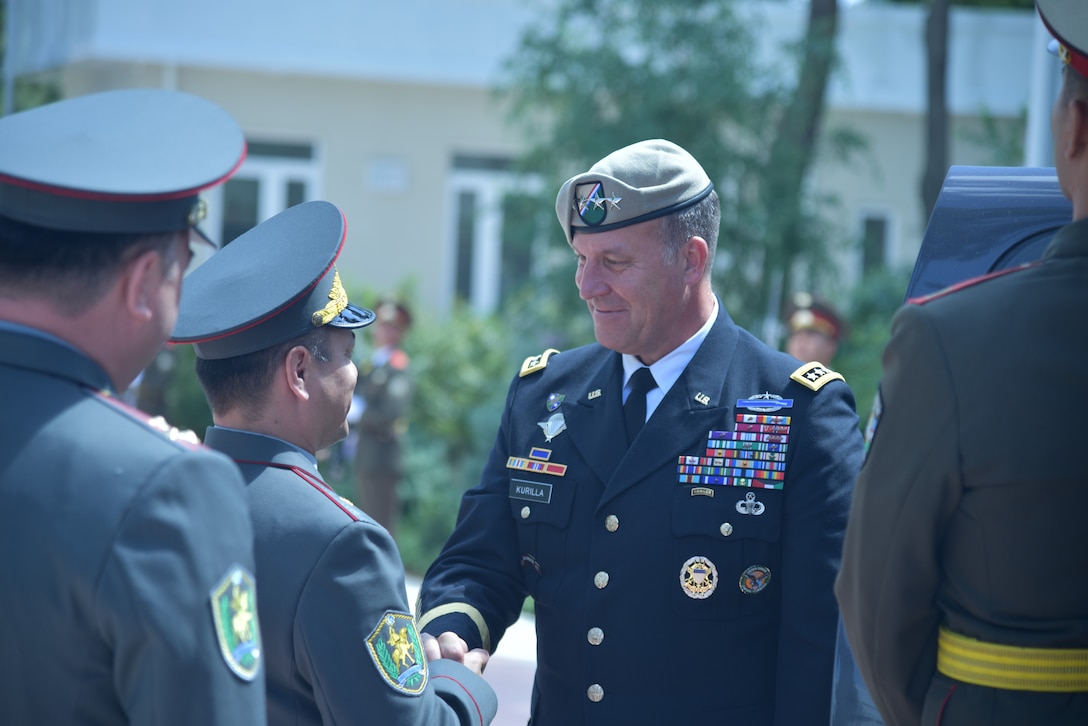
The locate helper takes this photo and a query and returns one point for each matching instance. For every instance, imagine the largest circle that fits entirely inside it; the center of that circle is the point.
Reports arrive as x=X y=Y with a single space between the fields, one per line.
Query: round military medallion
x=754 y=579
x=698 y=578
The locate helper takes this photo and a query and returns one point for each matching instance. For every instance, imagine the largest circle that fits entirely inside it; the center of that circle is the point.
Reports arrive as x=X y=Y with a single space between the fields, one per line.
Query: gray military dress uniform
x=122 y=543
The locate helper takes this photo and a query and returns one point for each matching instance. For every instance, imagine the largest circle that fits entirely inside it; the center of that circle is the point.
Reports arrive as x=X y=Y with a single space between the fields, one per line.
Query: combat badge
x=698 y=578
x=395 y=648
x=234 y=610
x=765 y=403
x=754 y=579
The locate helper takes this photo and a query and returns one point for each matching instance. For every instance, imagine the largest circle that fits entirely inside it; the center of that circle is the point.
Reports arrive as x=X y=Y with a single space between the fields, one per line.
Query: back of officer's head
x=41 y=262
x=243 y=384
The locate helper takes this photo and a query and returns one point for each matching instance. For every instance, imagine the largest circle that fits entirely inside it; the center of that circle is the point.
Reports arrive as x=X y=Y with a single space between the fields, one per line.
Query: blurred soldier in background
x=385 y=389
x=814 y=329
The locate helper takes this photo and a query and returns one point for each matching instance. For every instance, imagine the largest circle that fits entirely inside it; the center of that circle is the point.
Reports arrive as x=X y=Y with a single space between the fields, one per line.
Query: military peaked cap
x=129 y=161
x=1067 y=21
x=273 y=283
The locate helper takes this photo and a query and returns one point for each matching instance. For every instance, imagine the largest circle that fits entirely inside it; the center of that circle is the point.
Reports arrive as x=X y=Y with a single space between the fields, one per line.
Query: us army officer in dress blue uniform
x=273 y=333
x=686 y=576
x=126 y=581
x=974 y=490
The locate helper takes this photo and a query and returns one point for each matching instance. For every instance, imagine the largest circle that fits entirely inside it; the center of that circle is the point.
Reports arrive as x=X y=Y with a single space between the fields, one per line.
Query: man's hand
x=452 y=646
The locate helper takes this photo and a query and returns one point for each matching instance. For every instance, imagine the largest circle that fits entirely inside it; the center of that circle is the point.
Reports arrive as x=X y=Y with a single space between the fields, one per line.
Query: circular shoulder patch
x=754 y=579
x=698 y=578
x=395 y=648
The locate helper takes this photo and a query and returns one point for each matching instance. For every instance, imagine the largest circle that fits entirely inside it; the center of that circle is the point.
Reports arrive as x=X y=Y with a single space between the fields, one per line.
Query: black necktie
x=634 y=411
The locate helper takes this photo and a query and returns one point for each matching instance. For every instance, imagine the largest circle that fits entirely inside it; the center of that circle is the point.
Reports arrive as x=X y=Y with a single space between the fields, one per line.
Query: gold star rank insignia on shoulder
x=234 y=610
x=815 y=375
x=535 y=363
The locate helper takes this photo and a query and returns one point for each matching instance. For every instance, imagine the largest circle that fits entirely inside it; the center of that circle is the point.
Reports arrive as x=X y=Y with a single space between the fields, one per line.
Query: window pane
x=466 y=233
x=239 y=207
x=874 y=238
x=296 y=193
x=519 y=215
x=279 y=151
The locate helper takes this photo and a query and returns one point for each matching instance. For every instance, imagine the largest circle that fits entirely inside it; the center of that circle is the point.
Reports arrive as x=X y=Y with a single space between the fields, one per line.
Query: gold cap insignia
x=198 y=212
x=338 y=300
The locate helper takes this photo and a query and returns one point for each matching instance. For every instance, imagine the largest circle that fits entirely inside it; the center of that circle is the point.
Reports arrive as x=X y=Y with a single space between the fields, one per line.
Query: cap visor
x=353 y=316
x=201 y=247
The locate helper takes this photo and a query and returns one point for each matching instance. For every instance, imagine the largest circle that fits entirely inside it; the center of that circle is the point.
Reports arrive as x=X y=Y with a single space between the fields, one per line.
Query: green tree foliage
x=595 y=75
x=873 y=303
x=461 y=367
x=31 y=91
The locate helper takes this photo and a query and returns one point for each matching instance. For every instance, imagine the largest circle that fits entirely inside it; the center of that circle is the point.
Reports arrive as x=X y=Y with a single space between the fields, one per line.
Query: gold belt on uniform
x=1053 y=670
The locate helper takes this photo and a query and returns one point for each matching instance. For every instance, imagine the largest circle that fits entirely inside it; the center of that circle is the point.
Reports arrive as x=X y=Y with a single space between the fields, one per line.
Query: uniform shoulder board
x=536 y=363
x=815 y=375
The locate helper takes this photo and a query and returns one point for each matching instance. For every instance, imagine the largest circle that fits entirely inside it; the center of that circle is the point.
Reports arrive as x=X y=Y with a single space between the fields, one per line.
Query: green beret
x=637 y=183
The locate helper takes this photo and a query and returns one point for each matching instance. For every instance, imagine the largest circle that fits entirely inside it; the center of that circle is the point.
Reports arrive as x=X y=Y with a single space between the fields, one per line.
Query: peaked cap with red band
x=129 y=161
x=276 y=282
x=1067 y=21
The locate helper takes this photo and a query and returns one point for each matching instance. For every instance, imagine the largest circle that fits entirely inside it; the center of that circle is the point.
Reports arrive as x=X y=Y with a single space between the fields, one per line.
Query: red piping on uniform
x=922 y=299
x=944 y=704
x=308 y=478
x=479 y=715
x=120 y=197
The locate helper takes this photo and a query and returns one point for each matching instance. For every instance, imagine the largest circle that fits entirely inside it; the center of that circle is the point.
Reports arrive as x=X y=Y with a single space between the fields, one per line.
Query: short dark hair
x=699 y=220
x=34 y=260
x=1074 y=85
x=242 y=382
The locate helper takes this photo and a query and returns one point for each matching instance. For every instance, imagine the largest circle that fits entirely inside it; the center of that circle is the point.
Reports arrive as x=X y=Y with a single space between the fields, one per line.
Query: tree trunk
x=937 y=106
x=793 y=148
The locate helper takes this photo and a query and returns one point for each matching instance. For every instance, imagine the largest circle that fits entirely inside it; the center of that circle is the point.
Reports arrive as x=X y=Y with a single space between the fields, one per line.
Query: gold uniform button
x=611 y=522
x=595 y=693
x=595 y=636
x=726 y=528
x=601 y=580
x=524 y=512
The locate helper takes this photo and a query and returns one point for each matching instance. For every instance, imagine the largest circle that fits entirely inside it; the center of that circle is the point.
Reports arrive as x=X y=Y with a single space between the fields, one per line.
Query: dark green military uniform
x=118 y=540
x=968 y=512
